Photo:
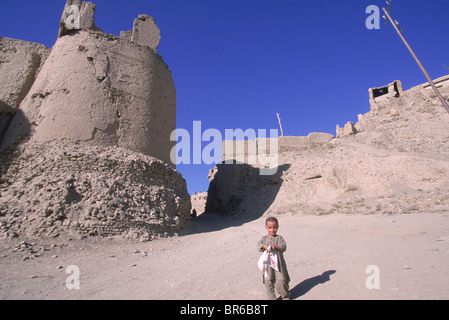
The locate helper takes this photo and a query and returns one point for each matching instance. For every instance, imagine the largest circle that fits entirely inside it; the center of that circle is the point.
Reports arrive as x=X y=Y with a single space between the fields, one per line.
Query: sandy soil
x=216 y=258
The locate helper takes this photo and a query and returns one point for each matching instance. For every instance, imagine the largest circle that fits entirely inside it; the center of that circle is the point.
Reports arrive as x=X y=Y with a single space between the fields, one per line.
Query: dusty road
x=328 y=257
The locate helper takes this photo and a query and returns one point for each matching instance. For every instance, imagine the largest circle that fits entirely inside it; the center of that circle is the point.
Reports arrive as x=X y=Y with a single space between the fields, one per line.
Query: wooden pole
x=443 y=101
x=280 y=125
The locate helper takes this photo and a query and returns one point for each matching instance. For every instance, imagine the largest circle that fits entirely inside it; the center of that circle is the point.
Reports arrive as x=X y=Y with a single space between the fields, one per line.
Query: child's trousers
x=281 y=288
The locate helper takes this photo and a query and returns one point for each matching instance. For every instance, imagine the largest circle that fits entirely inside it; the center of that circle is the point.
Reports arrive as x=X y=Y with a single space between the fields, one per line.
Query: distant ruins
x=243 y=149
x=85 y=133
x=393 y=160
x=394 y=89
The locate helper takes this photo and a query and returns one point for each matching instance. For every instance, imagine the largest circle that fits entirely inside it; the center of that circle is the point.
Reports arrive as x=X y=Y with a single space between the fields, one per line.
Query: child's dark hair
x=272 y=219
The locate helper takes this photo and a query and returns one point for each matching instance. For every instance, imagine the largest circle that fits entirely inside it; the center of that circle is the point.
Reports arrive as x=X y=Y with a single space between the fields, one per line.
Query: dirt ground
x=328 y=257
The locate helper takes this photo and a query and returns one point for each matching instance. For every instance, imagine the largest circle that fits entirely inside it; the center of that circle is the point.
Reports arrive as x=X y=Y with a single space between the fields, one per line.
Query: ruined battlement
x=97 y=89
x=80 y=15
x=392 y=90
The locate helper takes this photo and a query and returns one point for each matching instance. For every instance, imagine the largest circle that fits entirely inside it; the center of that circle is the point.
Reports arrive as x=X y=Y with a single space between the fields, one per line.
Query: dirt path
x=327 y=257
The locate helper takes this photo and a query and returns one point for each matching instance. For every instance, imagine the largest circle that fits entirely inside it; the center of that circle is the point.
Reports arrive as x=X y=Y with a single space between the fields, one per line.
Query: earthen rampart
x=248 y=151
x=81 y=127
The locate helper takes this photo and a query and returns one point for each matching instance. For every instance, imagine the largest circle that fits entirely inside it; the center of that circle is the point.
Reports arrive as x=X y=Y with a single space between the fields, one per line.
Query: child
x=275 y=279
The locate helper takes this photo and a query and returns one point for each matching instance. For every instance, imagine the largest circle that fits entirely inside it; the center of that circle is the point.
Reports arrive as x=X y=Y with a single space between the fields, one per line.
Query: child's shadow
x=302 y=288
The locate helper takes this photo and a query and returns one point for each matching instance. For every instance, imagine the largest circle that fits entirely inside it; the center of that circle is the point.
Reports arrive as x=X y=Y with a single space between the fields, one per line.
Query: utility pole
x=280 y=125
x=399 y=31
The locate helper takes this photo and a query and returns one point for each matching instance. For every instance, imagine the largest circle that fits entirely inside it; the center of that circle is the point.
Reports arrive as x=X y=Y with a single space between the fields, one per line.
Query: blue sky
x=236 y=63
